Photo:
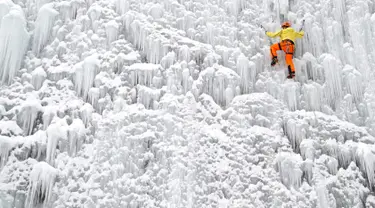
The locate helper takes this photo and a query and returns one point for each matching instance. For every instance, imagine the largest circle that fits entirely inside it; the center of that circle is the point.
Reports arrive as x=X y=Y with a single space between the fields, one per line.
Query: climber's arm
x=273 y=35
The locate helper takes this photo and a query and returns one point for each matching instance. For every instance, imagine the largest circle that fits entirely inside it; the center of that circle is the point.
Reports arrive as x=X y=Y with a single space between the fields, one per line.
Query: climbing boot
x=274 y=61
x=291 y=75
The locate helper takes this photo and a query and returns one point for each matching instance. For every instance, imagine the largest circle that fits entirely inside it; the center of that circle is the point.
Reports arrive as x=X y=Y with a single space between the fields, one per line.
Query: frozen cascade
x=42 y=179
x=13 y=43
x=56 y=134
x=44 y=24
x=38 y=77
x=28 y=114
x=85 y=75
x=153 y=120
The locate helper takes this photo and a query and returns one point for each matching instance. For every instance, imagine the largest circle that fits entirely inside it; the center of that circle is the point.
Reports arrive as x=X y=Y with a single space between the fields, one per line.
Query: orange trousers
x=288 y=48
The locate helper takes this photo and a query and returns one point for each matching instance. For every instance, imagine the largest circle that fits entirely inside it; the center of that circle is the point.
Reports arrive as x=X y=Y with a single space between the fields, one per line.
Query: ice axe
x=303 y=24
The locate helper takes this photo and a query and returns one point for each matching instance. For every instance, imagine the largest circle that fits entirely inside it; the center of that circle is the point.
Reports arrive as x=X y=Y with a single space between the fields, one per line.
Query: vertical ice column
x=28 y=114
x=148 y=97
x=291 y=95
x=312 y=96
x=43 y=29
x=296 y=132
x=184 y=53
x=353 y=82
x=38 y=77
x=85 y=75
x=5 y=8
x=360 y=30
x=246 y=70
x=111 y=29
x=168 y=60
x=6 y=144
x=94 y=13
x=56 y=133
x=122 y=6
x=13 y=43
x=225 y=84
x=48 y=115
x=76 y=136
x=333 y=80
x=143 y=73
x=289 y=167
x=42 y=179
x=366 y=159
x=86 y=114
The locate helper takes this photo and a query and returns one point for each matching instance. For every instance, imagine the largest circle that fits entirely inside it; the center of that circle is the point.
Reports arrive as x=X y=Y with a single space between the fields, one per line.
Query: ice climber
x=288 y=36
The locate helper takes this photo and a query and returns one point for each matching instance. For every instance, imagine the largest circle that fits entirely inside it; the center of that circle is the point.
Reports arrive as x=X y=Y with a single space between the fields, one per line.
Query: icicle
x=55 y=132
x=111 y=29
x=94 y=96
x=14 y=40
x=323 y=195
x=156 y=11
x=42 y=179
x=86 y=114
x=6 y=145
x=28 y=114
x=307 y=147
x=38 y=77
x=312 y=96
x=143 y=73
x=330 y=162
x=246 y=70
x=85 y=75
x=291 y=93
x=289 y=167
x=48 y=115
x=122 y=6
x=168 y=60
x=353 y=82
x=76 y=136
x=365 y=157
x=332 y=86
x=43 y=29
x=296 y=132
x=5 y=7
x=148 y=97
x=184 y=54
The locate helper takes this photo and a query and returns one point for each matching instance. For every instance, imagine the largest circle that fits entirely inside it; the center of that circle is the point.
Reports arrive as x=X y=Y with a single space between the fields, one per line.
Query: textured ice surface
x=129 y=103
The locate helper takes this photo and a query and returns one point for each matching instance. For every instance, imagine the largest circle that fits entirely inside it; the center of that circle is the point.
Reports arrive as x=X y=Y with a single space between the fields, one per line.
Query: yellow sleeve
x=300 y=34
x=273 y=35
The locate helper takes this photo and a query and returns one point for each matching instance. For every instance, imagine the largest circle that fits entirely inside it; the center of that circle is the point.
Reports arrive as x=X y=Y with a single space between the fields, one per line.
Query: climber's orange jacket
x=288 y=33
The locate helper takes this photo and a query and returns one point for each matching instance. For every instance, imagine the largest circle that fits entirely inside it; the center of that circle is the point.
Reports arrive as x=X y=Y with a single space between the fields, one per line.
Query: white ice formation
x=144 y=103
